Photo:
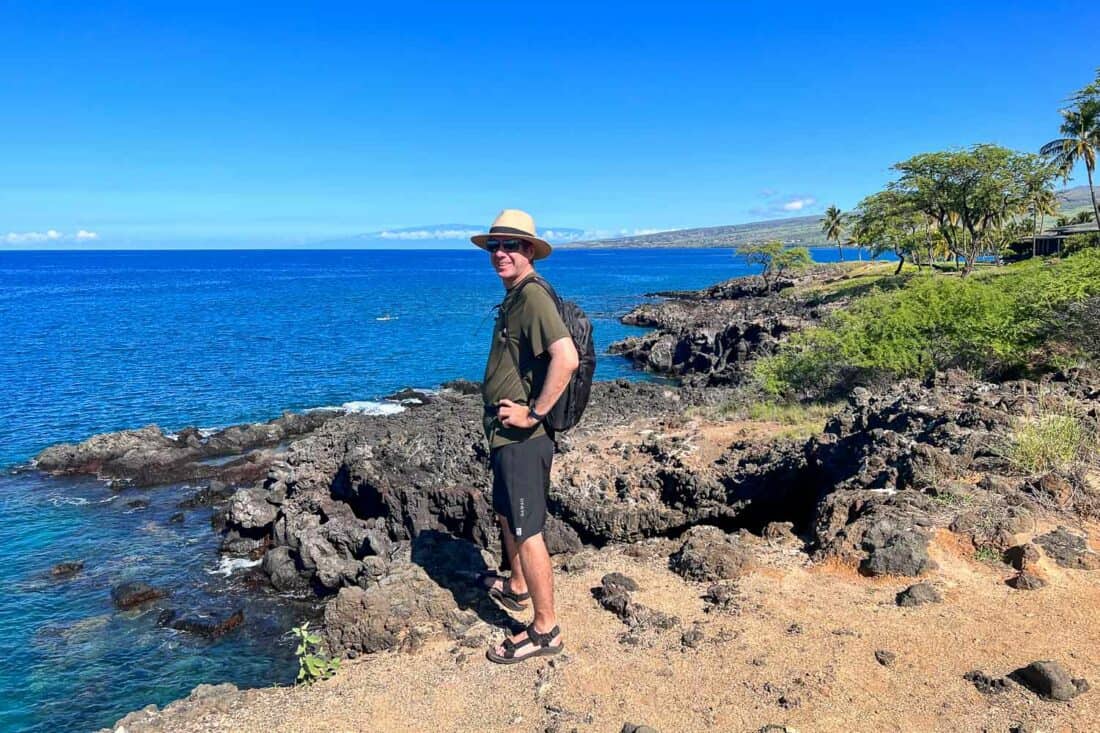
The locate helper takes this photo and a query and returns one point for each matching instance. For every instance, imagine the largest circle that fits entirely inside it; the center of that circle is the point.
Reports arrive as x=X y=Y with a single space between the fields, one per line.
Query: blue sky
x=231 y=124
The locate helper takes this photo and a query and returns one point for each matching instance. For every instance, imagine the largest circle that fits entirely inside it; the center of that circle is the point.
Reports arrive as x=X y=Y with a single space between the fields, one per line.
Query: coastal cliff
x=774 y=574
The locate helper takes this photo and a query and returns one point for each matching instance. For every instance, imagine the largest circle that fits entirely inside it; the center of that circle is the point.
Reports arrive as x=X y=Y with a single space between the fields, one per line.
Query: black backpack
x=567 y=411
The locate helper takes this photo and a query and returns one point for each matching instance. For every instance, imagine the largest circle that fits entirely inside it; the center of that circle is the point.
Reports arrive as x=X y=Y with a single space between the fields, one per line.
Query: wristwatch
x=538 y=418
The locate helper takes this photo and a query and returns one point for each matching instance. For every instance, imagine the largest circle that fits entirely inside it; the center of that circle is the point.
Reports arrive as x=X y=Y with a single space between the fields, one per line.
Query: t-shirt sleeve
x=542 y=320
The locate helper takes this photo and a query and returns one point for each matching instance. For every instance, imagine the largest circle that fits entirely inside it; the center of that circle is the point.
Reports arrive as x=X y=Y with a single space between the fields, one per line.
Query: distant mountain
x=1074 y=199
x=802 y=230
x=432 y=236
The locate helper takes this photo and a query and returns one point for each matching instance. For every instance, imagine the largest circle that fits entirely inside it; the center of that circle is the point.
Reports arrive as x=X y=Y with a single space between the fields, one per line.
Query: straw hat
x=514 y=224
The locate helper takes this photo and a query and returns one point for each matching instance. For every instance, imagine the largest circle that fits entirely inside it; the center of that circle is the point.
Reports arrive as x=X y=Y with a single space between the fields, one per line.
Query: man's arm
x=563 y=362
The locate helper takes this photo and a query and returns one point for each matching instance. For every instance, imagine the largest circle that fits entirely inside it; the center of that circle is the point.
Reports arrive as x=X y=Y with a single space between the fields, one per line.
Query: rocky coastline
x=386 y=518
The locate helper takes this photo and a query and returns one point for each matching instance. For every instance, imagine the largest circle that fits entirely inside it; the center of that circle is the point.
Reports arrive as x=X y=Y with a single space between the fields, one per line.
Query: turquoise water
x=112 y=340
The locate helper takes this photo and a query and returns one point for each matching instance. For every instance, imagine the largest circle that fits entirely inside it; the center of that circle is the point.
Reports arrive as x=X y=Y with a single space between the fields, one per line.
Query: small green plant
x=1051 y=440
x=987 y=554
x=313 y=663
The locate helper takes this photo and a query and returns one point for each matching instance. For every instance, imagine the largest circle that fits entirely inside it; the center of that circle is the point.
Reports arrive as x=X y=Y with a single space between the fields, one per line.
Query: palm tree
x=1043 y=203
x=1080 y=142
x=833 y=227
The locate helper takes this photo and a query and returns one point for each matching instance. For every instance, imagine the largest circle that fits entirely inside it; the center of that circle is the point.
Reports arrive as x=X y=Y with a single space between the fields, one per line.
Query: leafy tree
x=982 y=188
x=1080 y=141
x=775 y=258
x=832 y=226
x=1041 y=203
x=890 y=222
x=1081 y=217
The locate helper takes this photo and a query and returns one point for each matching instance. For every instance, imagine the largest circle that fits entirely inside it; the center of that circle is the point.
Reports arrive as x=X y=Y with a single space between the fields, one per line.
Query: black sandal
x=505 y=597
x=535 y=639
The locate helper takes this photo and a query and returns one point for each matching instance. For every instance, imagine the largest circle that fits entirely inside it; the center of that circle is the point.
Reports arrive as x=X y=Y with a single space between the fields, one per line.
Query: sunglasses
x=508 y=245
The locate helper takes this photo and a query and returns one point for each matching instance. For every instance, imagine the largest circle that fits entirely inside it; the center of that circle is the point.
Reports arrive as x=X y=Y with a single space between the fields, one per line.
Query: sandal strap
x=506 y=586
x=542 y=639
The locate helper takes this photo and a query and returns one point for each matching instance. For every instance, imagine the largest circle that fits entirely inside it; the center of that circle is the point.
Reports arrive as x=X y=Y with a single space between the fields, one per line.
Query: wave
x=78 y=500
x=204 y=433
x=229 y=565
x=364 y=407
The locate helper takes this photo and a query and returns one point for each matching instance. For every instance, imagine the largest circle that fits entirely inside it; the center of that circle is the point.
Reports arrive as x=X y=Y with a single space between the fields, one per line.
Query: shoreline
x=701 y=485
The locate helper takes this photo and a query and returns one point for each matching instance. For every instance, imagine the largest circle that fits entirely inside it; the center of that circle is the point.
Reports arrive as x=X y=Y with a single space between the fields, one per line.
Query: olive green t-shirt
x=528 y=321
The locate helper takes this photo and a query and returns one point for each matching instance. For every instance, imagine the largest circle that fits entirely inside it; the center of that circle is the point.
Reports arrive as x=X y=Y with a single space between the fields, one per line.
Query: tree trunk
x=1034 y=236
x=901 y=262
x=1092 y=192
x=840 y=251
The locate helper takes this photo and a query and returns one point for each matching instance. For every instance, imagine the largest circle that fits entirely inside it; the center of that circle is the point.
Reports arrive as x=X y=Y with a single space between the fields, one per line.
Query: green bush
x=992 y=324
x=1079 y=242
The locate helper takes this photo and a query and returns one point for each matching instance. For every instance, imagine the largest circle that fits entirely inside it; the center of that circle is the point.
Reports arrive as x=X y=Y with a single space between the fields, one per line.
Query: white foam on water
x=364 y=407
x=387 y=317
x=229 y=565
x=68 y=500
x=203 y=433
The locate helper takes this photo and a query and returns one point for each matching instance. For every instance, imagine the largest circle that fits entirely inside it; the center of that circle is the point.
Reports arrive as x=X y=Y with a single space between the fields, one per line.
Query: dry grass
x=1055 y=438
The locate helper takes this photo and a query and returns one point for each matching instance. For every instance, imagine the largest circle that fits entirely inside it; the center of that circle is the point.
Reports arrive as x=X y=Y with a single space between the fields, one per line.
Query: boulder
x=708 y=554
x=1050 y=679
x=918 y=595
x=67 y=569
x=560 y=538
x=1068 y=550
x=250 y=509
x=282 y=569
x=381 y=617
x=205 y=626
x=893 y=551
x=132 y=594
x=1026 y=580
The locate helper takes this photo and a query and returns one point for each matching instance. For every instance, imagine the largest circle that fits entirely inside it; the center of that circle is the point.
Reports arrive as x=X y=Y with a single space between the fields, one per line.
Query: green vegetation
x=776 y=258
x=1050 y=441
x=1058 y=436
x=987 y=554
x=1080 y=139
x=799 y=420
x=993 y=325
x=832 y=226
x=313 y=663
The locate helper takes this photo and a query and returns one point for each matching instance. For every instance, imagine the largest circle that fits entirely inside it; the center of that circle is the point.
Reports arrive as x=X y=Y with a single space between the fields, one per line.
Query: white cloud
x=781 y=204
x=590 y=235
x=799 y=204
x=50 y=235
x=416 y=235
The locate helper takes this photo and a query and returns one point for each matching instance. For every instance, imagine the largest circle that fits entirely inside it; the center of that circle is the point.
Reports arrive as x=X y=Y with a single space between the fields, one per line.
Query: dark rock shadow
x=454 y=565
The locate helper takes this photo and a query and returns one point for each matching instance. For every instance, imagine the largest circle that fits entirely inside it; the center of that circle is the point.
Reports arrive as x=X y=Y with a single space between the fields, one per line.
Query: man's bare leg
x=518 y=583
x=538 y=573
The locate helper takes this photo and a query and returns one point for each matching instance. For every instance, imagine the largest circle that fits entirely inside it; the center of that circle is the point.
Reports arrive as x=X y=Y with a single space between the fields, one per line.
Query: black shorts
x=521 y=478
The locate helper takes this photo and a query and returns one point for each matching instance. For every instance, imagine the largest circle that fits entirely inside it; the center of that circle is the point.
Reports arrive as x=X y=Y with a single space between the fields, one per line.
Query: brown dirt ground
x=799 y=652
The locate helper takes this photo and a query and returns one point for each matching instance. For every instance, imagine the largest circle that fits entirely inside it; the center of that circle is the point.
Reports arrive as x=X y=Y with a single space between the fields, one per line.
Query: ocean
x=104 y=341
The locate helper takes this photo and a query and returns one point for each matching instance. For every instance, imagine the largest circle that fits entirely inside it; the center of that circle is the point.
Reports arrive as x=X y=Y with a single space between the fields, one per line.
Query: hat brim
x=542 y=247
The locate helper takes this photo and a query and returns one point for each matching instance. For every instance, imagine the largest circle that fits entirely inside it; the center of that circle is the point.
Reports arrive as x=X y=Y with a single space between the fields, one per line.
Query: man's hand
x=513 y=415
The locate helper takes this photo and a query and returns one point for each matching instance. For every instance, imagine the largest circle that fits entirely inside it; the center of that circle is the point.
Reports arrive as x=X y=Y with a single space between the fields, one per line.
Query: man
x=531 y=361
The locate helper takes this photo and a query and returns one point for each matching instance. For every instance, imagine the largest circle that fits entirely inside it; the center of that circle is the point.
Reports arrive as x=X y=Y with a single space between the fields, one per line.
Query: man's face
x=511 y=264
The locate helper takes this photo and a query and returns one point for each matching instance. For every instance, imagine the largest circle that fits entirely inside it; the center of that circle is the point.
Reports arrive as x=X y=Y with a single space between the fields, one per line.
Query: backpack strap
x=508 y=345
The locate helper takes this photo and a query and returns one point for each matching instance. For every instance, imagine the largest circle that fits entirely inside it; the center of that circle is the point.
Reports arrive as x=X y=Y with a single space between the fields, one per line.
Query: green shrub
x=313 y=664
x=993 y=324
x=1078 y=242
x=1049 y=441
